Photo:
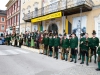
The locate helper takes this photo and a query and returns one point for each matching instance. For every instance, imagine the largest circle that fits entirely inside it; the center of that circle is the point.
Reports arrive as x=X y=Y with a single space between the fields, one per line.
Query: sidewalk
x=79 y=70
x=31 y=49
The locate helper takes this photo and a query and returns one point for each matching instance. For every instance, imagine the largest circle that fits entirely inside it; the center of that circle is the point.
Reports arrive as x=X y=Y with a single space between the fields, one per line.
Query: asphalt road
x=17 y=61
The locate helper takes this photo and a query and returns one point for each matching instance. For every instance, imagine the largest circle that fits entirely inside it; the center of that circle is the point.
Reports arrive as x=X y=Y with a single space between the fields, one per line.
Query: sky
x=2 y=4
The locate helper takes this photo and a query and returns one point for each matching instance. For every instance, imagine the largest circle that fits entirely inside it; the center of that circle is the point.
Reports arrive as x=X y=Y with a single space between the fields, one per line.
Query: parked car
x=2 y=40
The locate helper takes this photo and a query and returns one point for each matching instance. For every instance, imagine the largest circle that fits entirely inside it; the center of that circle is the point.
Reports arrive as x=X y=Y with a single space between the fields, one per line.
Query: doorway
x=53 y=28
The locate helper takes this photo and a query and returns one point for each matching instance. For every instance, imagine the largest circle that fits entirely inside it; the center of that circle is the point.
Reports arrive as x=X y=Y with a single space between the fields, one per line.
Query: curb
x=30 y=49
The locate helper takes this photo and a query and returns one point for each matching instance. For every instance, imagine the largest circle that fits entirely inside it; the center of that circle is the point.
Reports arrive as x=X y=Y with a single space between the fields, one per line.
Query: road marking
x=2 y=53
x=12 y=51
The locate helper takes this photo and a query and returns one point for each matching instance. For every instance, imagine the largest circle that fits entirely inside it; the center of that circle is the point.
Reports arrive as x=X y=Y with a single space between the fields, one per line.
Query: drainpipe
x=80 y=19
x=19 y=15
x=63 y=20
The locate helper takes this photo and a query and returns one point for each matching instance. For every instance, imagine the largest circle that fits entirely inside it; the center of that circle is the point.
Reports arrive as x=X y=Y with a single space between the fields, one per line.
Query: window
x=23 y=13
x=97 y=26
x=2 y=27
x=3 y=19
x=18 y=18
x=99 y=30
x=23 y=1
x=35 y=9
x=28 y=8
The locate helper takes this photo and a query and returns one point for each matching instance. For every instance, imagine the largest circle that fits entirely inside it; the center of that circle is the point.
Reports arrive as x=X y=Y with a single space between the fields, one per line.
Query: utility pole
x=80 y=20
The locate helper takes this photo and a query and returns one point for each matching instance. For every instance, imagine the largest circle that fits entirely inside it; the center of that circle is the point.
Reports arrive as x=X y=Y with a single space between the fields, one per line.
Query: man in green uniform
x=73 y=46
x=81 y=45
x=9 y=39
x=85 y=48
x=50 y=44
x=45 y=42
x=98 y=52
x=94 y=45
x=65 y=46
x=56 y=45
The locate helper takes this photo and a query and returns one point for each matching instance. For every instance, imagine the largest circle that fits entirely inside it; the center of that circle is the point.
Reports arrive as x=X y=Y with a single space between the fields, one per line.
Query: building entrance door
x=53 y=28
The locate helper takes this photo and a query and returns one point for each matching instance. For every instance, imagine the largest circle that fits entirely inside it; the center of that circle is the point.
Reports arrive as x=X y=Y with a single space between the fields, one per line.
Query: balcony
x=69 y=7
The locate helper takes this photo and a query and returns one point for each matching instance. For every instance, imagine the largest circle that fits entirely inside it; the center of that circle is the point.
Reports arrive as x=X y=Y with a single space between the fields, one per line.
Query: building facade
x=61 y=16
x=13 y=16
x=3 y=22
x=28 y=6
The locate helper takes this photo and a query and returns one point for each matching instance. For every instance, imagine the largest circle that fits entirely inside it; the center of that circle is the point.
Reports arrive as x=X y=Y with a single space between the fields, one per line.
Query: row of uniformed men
x=86 y=44
x=56 y=42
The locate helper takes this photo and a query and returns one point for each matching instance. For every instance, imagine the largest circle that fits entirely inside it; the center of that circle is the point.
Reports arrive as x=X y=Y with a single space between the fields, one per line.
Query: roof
x=3 y=12
x=9 y=2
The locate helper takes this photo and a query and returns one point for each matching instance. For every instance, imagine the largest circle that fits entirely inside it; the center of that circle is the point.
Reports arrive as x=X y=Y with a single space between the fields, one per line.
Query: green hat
x=94 y=32
x=82 y=34
x=65 y=34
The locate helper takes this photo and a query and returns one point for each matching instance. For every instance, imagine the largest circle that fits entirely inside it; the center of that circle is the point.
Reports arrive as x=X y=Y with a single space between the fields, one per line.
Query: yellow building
x=61 y=15
x=27 y=8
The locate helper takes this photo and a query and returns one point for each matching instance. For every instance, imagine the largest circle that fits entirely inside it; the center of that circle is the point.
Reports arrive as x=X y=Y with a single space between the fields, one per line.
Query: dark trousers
x=37 y=44
x=56 y=51
x=29 y=41
x=64 y=52
x=74 y=53
x=85 y=53
x=45 y=49
x=16 y=42
x=93 y=52
x=50 y=50
x=8 y=42
x=80 y=53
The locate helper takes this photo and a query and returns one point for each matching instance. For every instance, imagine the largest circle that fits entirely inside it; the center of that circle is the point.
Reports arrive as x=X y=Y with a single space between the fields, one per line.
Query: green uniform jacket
x=84 y=46
x=65 y=43
x=74 y=42
x=6 y=38
x=94 y=42
x=45 y=41
x=56 y=42
x=81 y=44
x=9 y=38
x=34 y=36
x=98 y=51
x=51 y=40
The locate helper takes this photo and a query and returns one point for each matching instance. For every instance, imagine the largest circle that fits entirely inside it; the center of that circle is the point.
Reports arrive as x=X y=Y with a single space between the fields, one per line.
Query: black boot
x=87 y=64
x=75 y=61
x=79 y=59
x=82 y=63
x=97 y=69
x=95 y=62
x=66 y=59
x=71 y=60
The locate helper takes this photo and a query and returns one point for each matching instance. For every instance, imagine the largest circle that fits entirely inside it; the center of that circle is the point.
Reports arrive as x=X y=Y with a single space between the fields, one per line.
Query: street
x=17 y=61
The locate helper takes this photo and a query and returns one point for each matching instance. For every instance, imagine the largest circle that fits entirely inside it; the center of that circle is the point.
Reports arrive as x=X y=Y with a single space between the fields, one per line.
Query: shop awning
x=47 y=17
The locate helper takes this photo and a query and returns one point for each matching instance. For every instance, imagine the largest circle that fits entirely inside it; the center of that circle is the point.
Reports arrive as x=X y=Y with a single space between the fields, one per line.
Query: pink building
x=3 y=22
x=13 y=16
